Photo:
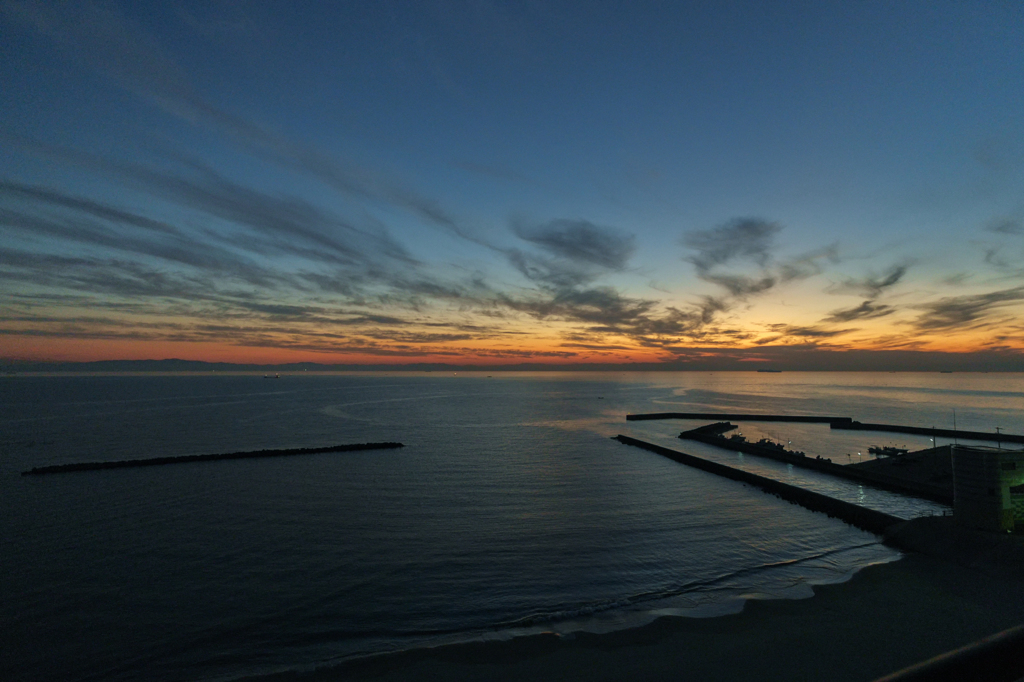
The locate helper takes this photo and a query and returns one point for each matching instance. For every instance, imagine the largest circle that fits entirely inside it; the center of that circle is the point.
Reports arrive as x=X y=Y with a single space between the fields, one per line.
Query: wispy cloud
x=578 y=253
x=600 y=306
x=873 y=285
x=553 y=273
x=746 y=242
x=580 y=241
x=39 y=212
x=146 y=269
x=741 y=238
x=788 y=331
x=750 y=241
x=113 y=44
x=328 y=254
x=254 y=230
x=962 y=311
x=288 y=223
x=741 y=286
x=198 y=253
x=1010 y=226
x=865 y=311
x=808 y=264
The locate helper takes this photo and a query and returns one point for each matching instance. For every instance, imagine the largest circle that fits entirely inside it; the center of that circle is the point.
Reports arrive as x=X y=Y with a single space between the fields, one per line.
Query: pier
x=843 y=423
x=861 y=517
x=184 y=459
x=711 y=434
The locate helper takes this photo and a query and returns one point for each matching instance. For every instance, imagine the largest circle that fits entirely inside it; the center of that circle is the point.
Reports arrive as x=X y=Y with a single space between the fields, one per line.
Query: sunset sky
x=498 y=183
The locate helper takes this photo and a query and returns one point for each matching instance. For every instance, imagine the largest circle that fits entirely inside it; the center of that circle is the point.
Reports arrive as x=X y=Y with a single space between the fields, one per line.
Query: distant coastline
x=174 y=365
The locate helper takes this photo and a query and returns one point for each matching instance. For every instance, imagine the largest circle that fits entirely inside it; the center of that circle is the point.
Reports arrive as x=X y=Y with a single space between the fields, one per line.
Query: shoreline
x=886 y=617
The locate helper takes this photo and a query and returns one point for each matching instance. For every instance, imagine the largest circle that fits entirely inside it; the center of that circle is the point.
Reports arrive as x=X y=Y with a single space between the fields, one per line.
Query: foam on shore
x=886 y=617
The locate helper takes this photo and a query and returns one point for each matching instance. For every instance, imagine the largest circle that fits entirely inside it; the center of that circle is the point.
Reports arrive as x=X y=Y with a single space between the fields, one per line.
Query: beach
x=886 y=617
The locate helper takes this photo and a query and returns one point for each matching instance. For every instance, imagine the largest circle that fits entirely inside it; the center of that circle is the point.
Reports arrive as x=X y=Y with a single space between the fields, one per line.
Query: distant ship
x=887 y=451
x=267 y=376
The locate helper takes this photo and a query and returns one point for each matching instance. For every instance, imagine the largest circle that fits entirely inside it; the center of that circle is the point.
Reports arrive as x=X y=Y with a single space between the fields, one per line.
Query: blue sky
x=502 y=182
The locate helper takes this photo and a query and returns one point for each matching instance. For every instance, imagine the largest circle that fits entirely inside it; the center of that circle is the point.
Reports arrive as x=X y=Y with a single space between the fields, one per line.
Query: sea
x=509 y=511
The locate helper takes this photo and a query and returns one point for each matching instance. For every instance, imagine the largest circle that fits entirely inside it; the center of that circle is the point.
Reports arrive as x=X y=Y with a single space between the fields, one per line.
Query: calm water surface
x=509 y=511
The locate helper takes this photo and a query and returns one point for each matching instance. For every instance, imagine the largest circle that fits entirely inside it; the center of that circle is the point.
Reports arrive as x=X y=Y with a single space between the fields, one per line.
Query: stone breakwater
x=183 y=459
x=861 y=517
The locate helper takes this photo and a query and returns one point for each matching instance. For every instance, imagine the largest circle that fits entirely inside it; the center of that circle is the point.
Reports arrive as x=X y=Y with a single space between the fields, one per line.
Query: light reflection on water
x=666 y=432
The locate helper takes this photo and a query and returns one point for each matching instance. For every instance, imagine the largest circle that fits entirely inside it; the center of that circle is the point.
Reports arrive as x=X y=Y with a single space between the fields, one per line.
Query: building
x=988 y=487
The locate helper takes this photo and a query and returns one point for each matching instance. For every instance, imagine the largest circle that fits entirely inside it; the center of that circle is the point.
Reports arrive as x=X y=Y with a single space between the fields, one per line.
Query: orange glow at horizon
x=43 y=349
x=539 y=351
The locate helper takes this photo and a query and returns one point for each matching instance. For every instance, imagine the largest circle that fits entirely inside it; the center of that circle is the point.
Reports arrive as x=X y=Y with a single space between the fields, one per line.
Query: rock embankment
x=182 y=459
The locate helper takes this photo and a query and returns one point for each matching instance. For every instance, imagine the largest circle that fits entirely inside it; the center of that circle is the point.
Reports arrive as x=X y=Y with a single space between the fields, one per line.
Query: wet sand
x=885 y=618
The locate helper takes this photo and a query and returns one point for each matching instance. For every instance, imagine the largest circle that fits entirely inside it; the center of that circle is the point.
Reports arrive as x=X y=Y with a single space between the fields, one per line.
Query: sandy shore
x=885 y=618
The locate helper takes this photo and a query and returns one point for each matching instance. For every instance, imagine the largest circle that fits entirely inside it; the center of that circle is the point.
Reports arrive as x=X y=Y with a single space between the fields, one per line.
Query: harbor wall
x=844 y=423
x=931 y=432
x=861 y=517
x=936 y=493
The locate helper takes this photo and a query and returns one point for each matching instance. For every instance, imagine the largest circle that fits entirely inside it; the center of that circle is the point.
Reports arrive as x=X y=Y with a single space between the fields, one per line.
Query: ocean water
x=509 y=511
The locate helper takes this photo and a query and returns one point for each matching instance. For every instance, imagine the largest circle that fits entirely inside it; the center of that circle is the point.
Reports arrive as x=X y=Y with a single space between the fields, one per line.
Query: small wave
x=695 y=593
x=688 y=596
x=689 y=588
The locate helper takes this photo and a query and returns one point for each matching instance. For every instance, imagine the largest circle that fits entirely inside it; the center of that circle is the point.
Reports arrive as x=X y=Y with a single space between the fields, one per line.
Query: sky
x=494 y=183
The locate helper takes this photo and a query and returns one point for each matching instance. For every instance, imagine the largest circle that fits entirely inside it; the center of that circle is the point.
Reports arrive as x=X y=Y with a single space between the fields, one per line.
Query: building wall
x=982 y=478
x=1017 y=501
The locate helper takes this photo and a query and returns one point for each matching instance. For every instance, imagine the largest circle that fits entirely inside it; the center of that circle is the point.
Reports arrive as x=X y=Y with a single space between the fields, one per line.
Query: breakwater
x=861 y=517
x=738 y=417
x=845 y=423
x=711 y=435
x=931 y=432
x=183 y=459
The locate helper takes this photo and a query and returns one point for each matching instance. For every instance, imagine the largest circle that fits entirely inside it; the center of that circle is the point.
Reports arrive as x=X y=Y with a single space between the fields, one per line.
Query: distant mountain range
x=815 y=361
x=176 y=365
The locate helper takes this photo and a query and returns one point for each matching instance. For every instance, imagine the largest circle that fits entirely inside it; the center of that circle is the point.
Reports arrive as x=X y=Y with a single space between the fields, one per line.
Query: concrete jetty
x=711 y=434
x=844 y=423
x=182 y=459
x=861 y=517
